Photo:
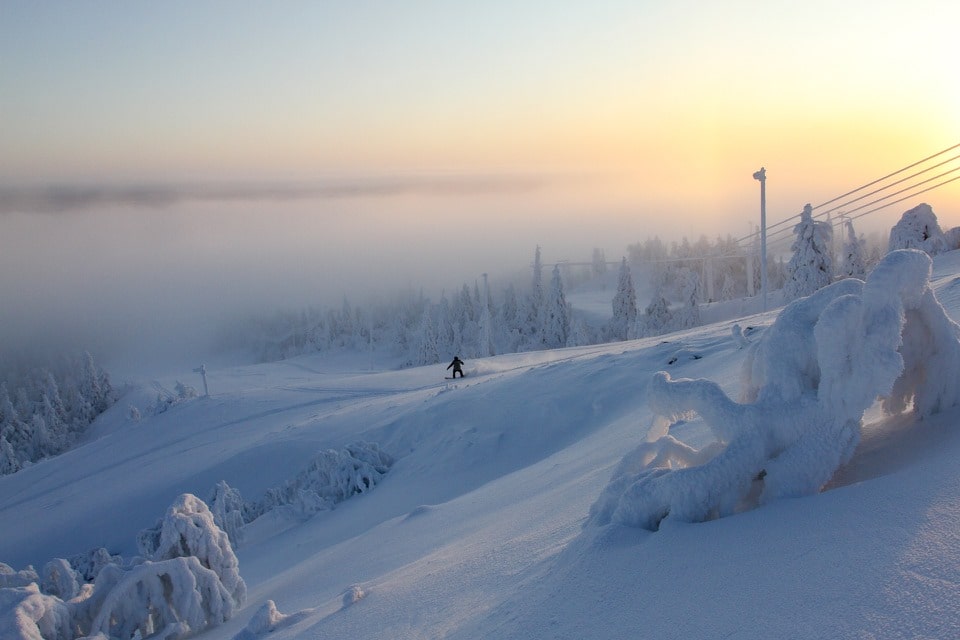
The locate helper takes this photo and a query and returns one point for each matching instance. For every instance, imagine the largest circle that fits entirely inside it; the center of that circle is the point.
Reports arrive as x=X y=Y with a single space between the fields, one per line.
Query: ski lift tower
x=762 y=177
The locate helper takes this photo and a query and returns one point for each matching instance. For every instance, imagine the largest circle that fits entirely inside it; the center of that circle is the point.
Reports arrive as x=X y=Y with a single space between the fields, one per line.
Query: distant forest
x=477 y=322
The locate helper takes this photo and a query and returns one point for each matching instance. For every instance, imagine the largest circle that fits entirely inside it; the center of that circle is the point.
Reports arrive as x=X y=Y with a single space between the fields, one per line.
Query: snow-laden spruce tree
x=918 y=228
x=425 y=342
x=811 y=266
x=486 y=330
x=687 y=314
x=657 y=318
x=188 y=529
x=533 y=312
x=624 y=320
x=556 y=315
x=188 y=582
x=807 y=383
x=854 y=264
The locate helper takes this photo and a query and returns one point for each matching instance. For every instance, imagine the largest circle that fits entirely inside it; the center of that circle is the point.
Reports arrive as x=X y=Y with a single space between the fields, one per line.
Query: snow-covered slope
x=478 y=529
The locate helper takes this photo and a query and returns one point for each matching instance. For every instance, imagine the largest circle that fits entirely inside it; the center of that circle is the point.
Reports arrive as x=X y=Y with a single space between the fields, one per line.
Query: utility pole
x=762 y=177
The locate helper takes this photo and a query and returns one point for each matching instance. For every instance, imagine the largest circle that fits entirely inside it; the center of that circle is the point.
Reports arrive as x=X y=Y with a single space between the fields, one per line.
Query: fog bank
x=147 y=273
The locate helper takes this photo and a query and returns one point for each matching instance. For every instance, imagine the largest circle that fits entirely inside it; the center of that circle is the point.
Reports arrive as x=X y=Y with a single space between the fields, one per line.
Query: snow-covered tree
x=807 y=383
x=533 y=320
x=27 y=614
x=188 y=529
x=688 y=287
x=556 y=327
x=331 y=477
x=60 y=579
x=657 y=318
x=189 y=582
x=853 y=264
x=226 y=505
x=173 y=599
x=426 y=342
x=485 y=332
x=918 y=228
x=811 y=266
x=509 y=322
x=624 y=318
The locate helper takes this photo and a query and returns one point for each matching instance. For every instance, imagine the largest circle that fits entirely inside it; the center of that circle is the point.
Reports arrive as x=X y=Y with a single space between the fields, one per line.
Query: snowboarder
x=457 y=365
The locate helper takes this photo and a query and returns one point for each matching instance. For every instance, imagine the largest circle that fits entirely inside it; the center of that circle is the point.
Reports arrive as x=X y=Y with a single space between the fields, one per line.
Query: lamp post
x=762 y=177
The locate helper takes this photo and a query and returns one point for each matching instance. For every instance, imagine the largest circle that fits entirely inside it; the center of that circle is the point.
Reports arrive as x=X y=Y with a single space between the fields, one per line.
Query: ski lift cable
x=953 y=179
x=865 y=186
x=893 y=184
x=782 y=232
x=896 y=193
x=876 y=191
x=783 y=242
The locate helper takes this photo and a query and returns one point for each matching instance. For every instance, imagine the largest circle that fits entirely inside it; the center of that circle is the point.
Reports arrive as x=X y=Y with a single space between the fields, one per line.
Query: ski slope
x=478 y=529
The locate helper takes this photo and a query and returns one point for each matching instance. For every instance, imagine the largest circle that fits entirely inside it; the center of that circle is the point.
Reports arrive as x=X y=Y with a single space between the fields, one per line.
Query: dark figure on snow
x=457 y=365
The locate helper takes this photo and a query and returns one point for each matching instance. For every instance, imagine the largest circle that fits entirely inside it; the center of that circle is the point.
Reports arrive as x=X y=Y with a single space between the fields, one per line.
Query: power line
x=775 y=236
x=907 y=197
x=893 y=184
x=889 y=175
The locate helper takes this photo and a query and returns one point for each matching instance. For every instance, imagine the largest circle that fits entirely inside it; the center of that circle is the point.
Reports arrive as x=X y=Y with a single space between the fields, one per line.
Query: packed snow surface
x=480 y=528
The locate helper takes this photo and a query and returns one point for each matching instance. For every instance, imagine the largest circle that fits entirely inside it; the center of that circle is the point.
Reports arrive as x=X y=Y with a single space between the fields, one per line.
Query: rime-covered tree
x=853 y=260
x=624 y=305
x=808 y=381
x=533 y=313
x=811 y=266
x=556 y=328
x=918 y=228
x=485 y=324
x=509 y=322
x=657 y=318
x=688 y=287
x=425 y=342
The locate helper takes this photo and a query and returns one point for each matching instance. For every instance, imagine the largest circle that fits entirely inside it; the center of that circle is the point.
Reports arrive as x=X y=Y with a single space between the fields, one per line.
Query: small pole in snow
x=762 y=177
x=202 y=370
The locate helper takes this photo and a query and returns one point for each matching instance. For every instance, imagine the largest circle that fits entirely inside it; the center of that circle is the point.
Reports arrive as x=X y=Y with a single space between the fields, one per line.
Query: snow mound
x=807 y=382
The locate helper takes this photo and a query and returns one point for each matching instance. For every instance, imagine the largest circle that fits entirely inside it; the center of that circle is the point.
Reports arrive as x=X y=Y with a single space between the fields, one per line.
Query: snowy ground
x=478 y=529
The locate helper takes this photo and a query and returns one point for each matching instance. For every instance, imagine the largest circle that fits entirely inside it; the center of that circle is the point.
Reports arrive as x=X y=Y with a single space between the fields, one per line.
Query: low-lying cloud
x=65 y=198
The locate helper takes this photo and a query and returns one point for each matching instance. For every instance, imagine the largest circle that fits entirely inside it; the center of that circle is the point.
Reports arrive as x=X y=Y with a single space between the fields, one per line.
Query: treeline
x=45 y=411
x=476 y=321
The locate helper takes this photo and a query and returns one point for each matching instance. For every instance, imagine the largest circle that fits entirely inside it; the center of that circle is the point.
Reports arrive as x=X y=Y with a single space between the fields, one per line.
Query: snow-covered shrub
x=88 y=565
x=27 y=614
x=165 y=399
x=353 y=595
x=226 y=504
x=11 y=578
x=60 y=580
x=807 y=383
x=188 y=530
x=918 y=229
x=331 y=477
x=188 y=582
x=184 y=391
x=173 y=598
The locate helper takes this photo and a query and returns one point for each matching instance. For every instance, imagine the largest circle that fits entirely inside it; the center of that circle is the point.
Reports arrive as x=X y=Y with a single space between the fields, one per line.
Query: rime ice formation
x=807 y=382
